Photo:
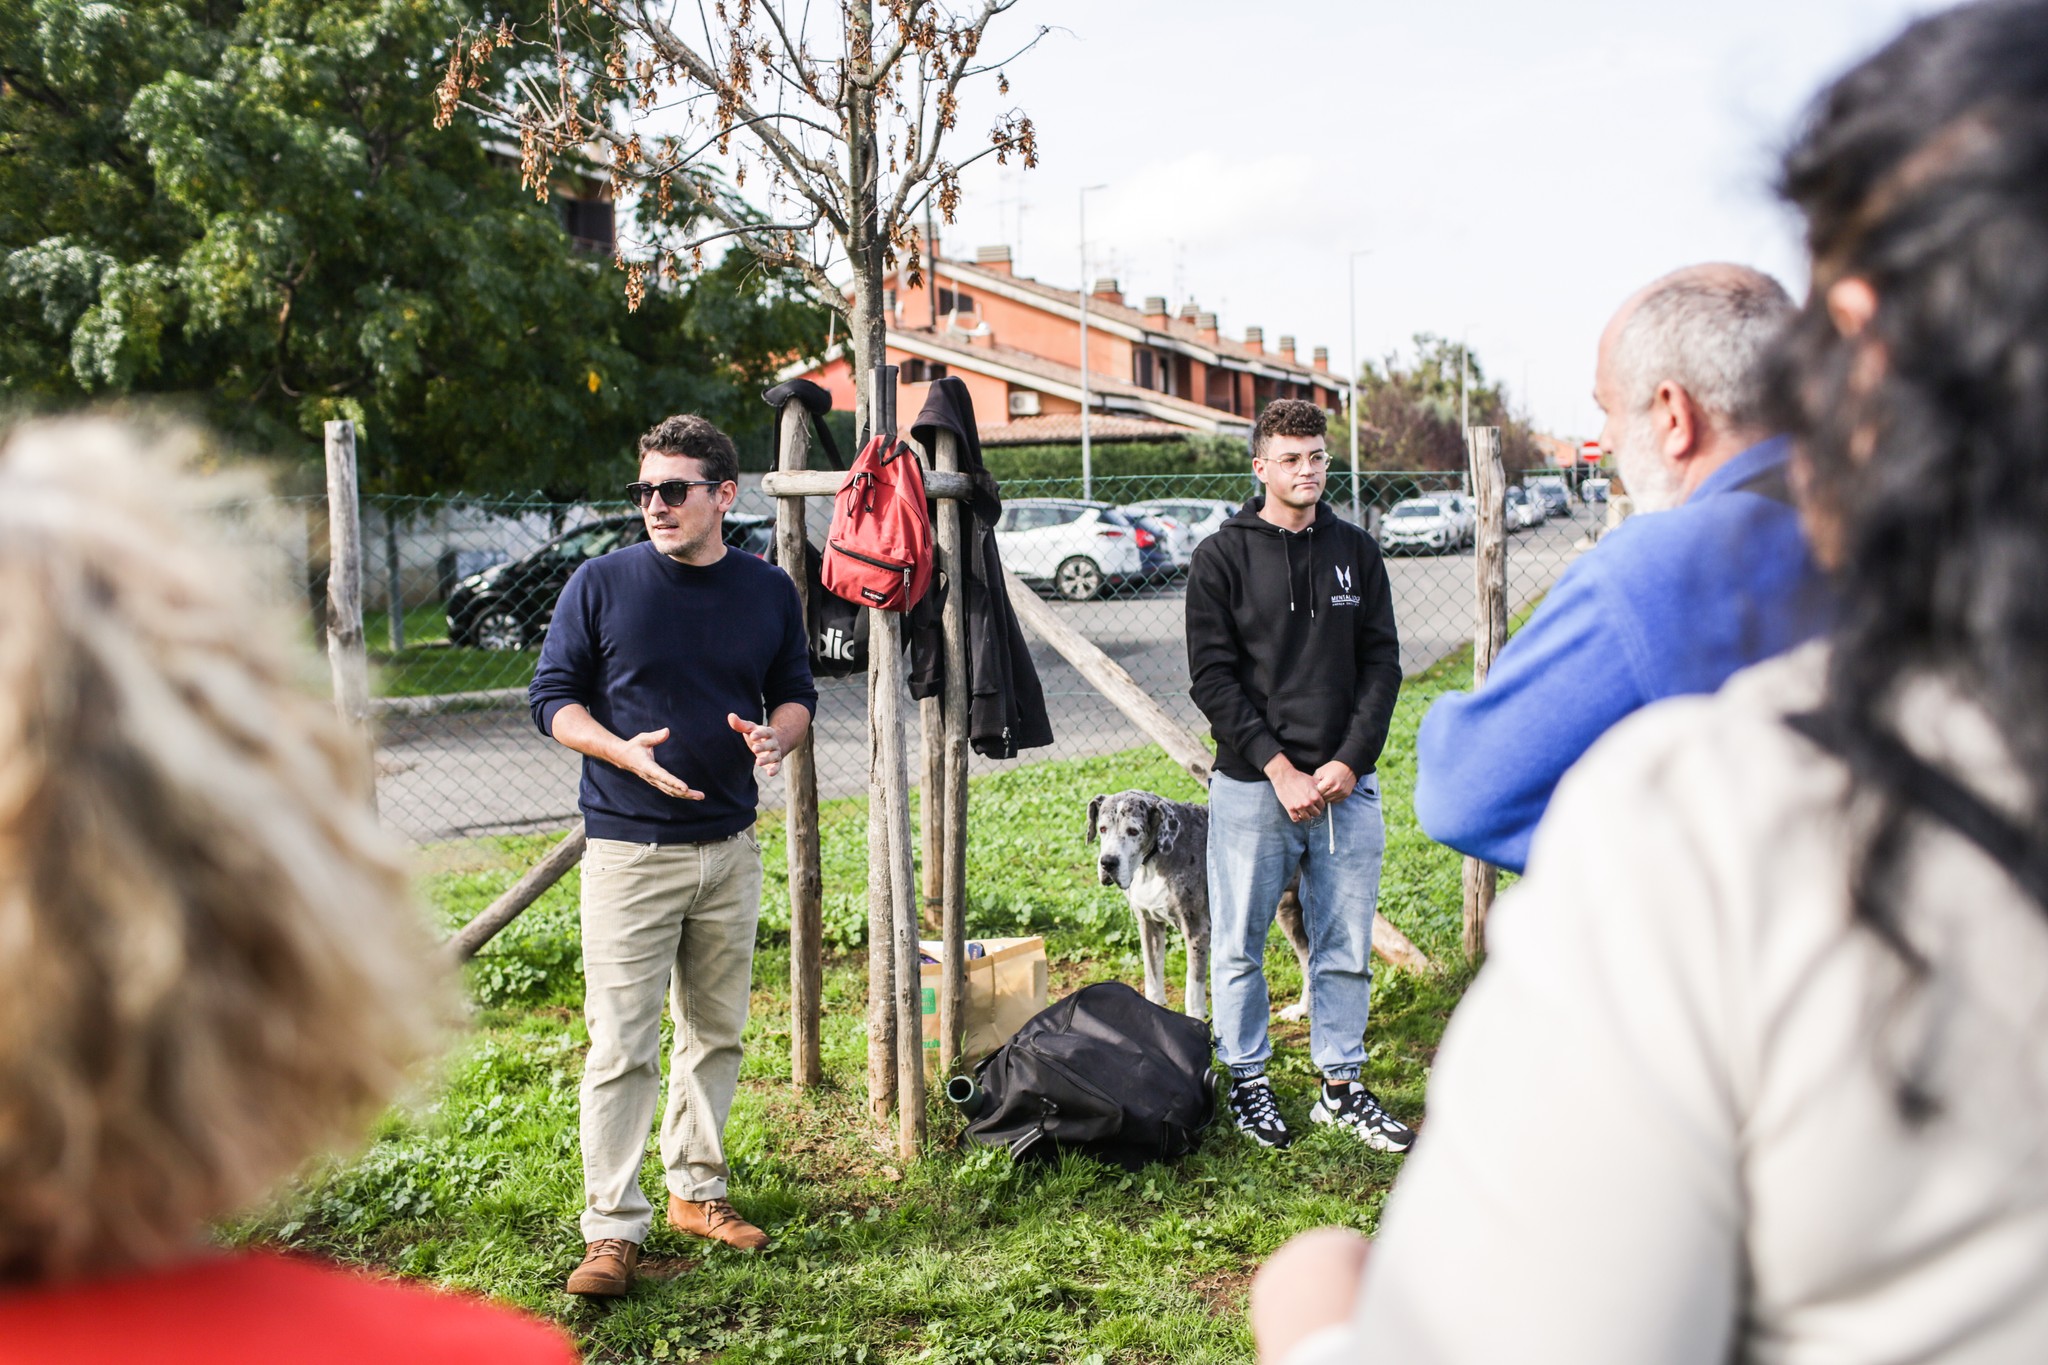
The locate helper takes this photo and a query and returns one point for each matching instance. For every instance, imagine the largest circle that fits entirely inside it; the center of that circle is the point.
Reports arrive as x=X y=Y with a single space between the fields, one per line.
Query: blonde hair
x=210 y=963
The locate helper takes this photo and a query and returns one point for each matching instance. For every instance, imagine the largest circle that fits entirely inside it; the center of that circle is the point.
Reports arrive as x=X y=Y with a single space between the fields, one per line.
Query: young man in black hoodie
x=1294 y=660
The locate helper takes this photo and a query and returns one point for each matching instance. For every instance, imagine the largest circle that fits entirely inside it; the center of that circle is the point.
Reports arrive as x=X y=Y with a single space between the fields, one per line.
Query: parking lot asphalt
x=454 y=774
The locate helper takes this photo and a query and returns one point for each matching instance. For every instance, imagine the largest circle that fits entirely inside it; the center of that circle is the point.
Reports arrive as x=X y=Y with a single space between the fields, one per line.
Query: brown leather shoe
x=716 y=1219
x=607 y=1269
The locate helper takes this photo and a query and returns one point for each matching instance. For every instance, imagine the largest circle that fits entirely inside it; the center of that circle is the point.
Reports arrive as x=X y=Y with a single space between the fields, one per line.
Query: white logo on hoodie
x=1343 y=597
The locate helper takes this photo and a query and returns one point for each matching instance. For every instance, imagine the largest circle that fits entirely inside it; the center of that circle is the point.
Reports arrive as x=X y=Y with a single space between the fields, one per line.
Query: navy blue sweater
x=645 y=643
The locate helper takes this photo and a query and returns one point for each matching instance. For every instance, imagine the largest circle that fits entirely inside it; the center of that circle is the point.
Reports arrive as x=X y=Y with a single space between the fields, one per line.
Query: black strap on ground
x=1934 y=792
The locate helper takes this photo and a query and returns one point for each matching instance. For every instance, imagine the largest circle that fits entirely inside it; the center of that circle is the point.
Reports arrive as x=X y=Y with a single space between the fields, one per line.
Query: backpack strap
x=1935 y=793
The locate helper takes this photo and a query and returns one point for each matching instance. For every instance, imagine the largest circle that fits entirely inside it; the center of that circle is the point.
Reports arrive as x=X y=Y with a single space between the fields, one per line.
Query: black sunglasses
x=674 y=492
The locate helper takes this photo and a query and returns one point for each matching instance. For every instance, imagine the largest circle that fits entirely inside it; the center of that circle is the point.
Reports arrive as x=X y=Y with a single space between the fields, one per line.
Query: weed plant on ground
x=963 y=1257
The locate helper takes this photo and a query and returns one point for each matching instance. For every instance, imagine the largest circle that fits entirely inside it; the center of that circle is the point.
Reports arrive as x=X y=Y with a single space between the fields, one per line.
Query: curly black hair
x=1288 y=417
x=1923 y=437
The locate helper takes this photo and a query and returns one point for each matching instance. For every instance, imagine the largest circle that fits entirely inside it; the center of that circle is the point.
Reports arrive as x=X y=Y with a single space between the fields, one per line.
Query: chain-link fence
x=458 y=591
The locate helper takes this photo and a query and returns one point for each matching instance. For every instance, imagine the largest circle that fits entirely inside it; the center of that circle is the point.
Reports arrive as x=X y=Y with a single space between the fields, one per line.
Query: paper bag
x=1005 y=987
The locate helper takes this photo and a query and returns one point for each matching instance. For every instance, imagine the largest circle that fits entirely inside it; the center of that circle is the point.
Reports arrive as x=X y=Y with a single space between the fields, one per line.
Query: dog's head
x=1131 y=826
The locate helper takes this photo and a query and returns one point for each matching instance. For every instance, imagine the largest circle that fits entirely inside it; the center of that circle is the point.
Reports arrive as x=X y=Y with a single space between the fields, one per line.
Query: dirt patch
x=668 y=1267
x=1224 y=1291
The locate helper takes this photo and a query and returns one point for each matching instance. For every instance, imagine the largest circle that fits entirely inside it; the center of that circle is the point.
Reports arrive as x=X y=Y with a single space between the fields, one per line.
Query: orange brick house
x=1153 y=374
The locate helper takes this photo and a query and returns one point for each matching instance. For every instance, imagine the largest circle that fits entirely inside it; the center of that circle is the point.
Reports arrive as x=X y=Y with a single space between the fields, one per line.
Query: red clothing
x=261 y=1307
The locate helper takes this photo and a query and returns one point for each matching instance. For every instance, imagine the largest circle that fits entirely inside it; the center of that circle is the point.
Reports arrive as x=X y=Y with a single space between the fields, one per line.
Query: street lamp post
x=1087 y=457
x=1351 y=411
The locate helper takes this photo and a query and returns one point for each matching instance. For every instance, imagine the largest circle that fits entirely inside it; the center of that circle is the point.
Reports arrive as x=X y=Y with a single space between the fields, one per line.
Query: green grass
x=963 y=1256
x=429 y=665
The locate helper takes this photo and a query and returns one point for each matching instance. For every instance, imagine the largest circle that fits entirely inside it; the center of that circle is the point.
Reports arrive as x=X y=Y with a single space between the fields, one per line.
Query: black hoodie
x=1291 y=643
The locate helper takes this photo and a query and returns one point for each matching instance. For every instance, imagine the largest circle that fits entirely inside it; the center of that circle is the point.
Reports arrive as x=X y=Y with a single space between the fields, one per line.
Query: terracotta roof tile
x=1124 y=313
x=1065 y=427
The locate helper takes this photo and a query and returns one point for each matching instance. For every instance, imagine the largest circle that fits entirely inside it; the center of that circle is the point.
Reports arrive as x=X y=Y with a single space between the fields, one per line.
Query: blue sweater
x=1667 y=603
x=645 y=643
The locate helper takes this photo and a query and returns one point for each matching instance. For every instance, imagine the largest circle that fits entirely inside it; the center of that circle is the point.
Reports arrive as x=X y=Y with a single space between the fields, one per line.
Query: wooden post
x=954 y=548
x=1489 y=633
x=881 y=930
x=394 y=594
x=1109 y=678
x=881 y=906
x=346 y=657
x=800 y=779
x=899 y=879
x=931 y=718
x=885 y=639
x=464 y=943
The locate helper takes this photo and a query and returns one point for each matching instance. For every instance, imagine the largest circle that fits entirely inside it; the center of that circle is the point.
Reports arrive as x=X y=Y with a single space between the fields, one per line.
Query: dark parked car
x=509 y=605
x=1155 y=552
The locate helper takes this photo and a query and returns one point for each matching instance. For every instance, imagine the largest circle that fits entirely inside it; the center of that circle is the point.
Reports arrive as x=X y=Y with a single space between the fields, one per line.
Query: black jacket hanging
x=1006 y=704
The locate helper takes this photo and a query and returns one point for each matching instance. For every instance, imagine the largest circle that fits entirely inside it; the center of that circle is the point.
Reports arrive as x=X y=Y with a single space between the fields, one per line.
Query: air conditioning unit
x=1023 y=403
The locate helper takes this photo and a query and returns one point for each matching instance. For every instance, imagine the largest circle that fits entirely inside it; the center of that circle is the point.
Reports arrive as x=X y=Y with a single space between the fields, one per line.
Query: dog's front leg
x=1152 y=945
x=1198 y=976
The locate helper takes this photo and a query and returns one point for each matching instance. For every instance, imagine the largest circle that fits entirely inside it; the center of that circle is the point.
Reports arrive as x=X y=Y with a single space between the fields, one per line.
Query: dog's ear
x=1165 y=823
x=1094 y=809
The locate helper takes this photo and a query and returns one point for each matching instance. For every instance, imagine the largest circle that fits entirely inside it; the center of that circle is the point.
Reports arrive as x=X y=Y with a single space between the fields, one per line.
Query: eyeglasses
x=674 y=492
x=1287 y=464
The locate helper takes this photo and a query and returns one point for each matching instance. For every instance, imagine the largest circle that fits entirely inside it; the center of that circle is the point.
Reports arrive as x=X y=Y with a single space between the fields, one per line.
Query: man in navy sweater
x=660 y=663
x=1666 y=604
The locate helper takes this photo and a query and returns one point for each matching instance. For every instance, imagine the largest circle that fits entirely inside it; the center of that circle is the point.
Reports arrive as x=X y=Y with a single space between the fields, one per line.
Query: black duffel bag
x=1104 y=1072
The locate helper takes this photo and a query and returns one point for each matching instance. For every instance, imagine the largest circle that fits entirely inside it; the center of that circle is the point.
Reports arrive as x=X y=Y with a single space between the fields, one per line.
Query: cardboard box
x=1005 y=987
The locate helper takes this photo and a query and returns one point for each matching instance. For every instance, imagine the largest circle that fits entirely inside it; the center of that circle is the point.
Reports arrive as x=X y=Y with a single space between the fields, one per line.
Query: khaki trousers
x=674 y=919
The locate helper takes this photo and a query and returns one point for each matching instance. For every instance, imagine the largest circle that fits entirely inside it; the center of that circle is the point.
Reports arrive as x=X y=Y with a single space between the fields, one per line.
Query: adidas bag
x=1104 y=1072
x=879 y=550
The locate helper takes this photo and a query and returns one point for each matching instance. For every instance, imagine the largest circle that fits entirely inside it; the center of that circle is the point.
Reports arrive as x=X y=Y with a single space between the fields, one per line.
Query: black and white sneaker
x=1354 y=1107
x=1256 y=1115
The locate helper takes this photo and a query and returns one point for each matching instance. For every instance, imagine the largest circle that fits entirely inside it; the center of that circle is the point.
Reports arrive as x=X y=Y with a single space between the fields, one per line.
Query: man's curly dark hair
x=1288 y=417
x=691 y=435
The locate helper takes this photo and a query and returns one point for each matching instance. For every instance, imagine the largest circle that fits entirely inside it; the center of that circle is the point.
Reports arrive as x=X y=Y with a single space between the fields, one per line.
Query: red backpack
x=879 y=550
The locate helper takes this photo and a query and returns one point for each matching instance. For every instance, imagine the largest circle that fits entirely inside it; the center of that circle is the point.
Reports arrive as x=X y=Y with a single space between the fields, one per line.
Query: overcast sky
x=1516 y=168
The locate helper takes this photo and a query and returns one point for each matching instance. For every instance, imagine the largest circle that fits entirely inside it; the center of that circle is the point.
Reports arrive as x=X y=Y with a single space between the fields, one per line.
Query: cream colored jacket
x=1662 y=1127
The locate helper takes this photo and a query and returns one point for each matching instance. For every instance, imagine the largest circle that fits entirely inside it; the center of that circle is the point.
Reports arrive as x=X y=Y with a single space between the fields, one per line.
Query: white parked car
x=1594 y=490
x=1464 y=513
x=1199 y=517
x=1078 y=547
x=1421 y=524
x=1525 y=509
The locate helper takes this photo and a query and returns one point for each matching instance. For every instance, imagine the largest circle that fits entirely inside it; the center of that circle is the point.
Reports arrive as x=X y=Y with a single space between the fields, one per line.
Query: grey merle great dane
x=1157 y=852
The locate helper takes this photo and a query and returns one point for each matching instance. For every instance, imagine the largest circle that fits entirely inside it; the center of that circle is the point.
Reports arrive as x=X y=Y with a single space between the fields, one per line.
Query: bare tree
x=685 y=106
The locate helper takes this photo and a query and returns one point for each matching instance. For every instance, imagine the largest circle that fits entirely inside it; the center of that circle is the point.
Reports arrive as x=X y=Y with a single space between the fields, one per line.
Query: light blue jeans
x=1253 y=849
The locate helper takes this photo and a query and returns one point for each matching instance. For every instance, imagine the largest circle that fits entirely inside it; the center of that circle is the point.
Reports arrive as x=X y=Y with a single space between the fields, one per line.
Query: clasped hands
x=1306 y=794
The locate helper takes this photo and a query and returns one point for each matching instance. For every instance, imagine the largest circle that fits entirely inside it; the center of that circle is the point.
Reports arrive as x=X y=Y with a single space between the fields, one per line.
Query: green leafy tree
x=1410 y=412
x=248 y=207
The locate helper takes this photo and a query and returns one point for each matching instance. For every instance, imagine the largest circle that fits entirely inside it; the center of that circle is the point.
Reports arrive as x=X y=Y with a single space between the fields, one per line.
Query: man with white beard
x=1665 y=604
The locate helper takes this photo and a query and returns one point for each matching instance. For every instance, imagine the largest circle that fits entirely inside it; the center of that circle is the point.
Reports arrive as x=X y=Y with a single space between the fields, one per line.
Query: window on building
x=588 y=223
x=1145 y=368
x=951 y=302
x=922 y=371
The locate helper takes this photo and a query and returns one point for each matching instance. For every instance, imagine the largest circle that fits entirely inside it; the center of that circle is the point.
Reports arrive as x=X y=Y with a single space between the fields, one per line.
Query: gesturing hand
x=761 y=739
x=1335 y=780
x=637 y=758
